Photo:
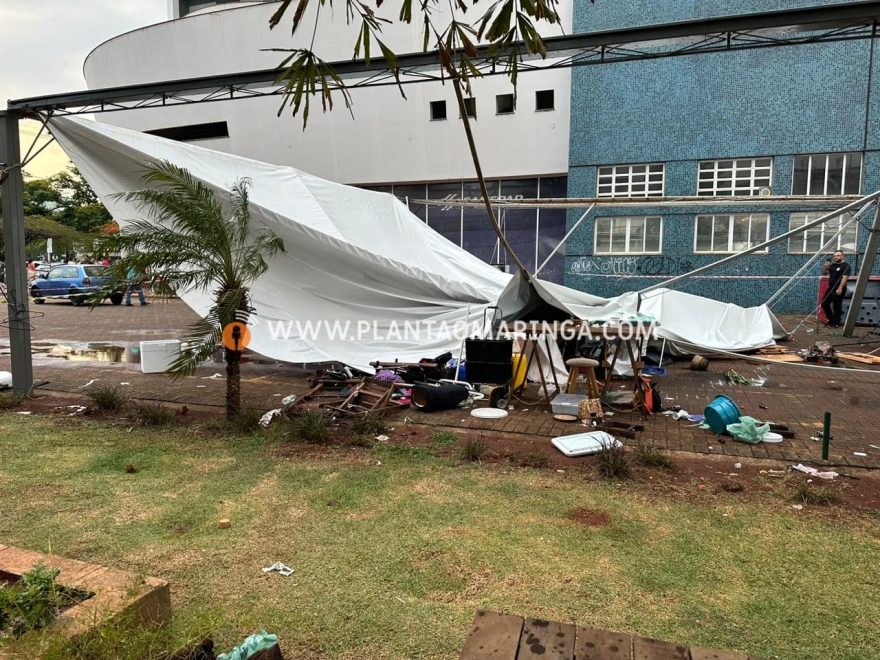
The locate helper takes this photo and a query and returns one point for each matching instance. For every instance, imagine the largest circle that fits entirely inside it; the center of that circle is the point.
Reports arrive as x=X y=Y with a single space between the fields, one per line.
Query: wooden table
x=507 y=637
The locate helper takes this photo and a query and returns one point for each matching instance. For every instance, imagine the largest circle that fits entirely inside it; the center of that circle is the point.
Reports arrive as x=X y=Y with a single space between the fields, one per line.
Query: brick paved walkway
x=792 y=395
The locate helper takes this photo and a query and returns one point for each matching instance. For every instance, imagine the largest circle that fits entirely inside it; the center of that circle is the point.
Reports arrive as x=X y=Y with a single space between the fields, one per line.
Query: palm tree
x=190 y=240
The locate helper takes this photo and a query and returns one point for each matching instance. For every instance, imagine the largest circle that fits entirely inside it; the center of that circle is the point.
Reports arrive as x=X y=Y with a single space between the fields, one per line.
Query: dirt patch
x=589 y=517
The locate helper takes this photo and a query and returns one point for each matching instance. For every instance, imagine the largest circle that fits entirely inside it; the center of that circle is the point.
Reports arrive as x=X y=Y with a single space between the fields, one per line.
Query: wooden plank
x=864 y=358
x=493 y=635
x=707 y=654
x=783 y=357
x=595 y=644
x=546 y=640
x=645 y=648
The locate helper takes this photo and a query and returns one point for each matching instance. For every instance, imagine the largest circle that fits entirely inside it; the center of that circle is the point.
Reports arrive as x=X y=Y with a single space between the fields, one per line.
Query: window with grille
x=742 y=176
x=812 y=240
x=827 y=174
x=730 y=232
x=631 y=235
x=630 y=180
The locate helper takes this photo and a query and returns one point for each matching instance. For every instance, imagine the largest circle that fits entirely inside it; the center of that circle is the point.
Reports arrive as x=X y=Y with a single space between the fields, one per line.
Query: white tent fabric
x=363 y=279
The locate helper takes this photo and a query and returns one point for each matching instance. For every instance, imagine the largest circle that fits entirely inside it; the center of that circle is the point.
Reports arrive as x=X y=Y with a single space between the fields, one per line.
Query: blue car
x=76 y=283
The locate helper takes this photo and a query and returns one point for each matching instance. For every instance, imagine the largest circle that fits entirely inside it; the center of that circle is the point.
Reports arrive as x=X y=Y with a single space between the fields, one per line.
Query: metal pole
x=761 y=246
x=855 y=305
x=11 y=193
x=564 y=238
x=826 y=436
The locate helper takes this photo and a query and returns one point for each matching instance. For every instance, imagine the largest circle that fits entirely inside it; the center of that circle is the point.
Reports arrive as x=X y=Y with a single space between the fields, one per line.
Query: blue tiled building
x=795 y=119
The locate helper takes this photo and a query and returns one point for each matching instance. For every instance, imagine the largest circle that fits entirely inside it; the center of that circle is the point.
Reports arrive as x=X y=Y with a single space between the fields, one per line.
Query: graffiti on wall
x=643 y=266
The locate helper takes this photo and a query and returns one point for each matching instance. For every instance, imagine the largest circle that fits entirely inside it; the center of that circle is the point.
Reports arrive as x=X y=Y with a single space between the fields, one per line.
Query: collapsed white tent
x=363 y=279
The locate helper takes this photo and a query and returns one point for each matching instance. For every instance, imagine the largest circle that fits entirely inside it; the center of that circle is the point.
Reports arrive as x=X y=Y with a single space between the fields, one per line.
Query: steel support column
x=12 y=193
x=855 y=305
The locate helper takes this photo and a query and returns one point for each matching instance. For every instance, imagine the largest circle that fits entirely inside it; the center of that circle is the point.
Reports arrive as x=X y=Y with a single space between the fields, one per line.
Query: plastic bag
x=747 y=430
x=258 y=642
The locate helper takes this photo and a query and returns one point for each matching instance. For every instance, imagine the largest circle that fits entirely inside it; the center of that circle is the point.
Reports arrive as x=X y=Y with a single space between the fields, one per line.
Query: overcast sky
x=43 y=44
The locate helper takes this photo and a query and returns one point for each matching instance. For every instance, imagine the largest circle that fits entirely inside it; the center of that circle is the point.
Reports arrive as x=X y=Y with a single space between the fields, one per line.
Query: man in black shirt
x=838 y=273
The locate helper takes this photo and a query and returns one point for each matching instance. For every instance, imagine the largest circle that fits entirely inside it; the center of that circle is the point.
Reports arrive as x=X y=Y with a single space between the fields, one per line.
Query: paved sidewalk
x=792 y=394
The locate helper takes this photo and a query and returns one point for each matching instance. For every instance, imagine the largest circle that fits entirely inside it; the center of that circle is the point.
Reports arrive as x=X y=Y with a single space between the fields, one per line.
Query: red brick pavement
x=792 y=395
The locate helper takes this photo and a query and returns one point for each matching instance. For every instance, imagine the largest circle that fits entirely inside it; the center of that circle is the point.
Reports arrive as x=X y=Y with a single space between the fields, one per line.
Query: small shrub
x=312 y=426
x=34 y=601
x=247 y=421
x=360 y=440
x=650 y=456
x=108 y=399
x=370 y=424
x=810 y=493
x=614 y=463
x=9 y=401
x=444 y=438
x=473 y=450
x=131 y=468
x=154 y=414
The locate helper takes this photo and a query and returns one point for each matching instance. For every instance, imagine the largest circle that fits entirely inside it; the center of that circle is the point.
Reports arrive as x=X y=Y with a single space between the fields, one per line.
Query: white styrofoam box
x=567 y=404
x=583 y=444
x=157 y=356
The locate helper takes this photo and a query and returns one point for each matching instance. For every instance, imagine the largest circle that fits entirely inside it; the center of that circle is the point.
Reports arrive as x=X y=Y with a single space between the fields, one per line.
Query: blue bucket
x=721 y=412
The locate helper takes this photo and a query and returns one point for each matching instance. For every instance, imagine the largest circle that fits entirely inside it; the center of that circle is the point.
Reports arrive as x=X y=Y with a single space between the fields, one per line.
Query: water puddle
x=117 y=353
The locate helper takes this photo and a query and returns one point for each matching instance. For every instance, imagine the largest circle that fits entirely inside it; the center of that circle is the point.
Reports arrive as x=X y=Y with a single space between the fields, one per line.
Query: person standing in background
x=838 y=274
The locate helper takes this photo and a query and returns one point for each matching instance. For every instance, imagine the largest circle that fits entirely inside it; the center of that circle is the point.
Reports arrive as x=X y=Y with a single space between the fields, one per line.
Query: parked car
x=76 y=283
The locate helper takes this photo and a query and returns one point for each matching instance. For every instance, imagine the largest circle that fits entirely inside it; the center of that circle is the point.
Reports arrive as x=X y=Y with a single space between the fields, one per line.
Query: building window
x=628 y=236
x=504 y=104
x=630 y=180
x=193 y=132
x=544 y=100
x=744 y=176
x=470 y=107
x=438 y=110
x=730 y=232
x=827 y=174
x=812 y=240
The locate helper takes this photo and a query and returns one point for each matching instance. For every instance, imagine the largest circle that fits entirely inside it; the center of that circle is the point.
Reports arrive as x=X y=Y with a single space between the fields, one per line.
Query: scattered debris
x=213 y=377
x=76 y=410
x=739 y=379
x=383 y=438
x=797 y=506
x=24 y=412
x=821 y=351
x=270 y=417
x=859 y=453
x=89 y=384
x=288 y=400
x=282 y=569
x=806 y=469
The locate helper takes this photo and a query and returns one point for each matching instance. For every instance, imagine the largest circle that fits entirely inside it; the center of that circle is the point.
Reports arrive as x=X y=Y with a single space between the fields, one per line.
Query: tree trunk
x=456 y=85
x=233 y=383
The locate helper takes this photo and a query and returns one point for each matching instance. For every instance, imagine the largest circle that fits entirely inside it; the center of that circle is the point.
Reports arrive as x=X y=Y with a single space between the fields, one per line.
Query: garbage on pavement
x=749 y=430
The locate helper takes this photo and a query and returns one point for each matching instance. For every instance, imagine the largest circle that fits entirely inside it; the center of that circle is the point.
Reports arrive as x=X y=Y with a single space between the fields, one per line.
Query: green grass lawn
x=395 y=549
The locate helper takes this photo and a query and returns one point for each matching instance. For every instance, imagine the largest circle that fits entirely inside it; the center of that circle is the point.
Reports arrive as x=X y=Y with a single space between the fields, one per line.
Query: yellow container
x=519 y=370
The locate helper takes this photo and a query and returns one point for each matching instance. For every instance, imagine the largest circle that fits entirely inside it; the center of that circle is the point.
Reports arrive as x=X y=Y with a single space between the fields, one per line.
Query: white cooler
x=157 y=356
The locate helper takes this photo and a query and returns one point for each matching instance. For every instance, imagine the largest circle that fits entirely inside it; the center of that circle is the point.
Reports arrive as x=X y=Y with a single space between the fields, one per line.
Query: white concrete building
x=416 y=145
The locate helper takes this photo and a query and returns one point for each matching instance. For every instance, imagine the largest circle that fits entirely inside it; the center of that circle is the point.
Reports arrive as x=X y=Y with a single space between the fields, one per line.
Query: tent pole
x=761 y=246
x=12 y=192
x=564 y=238
x=855 y=304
